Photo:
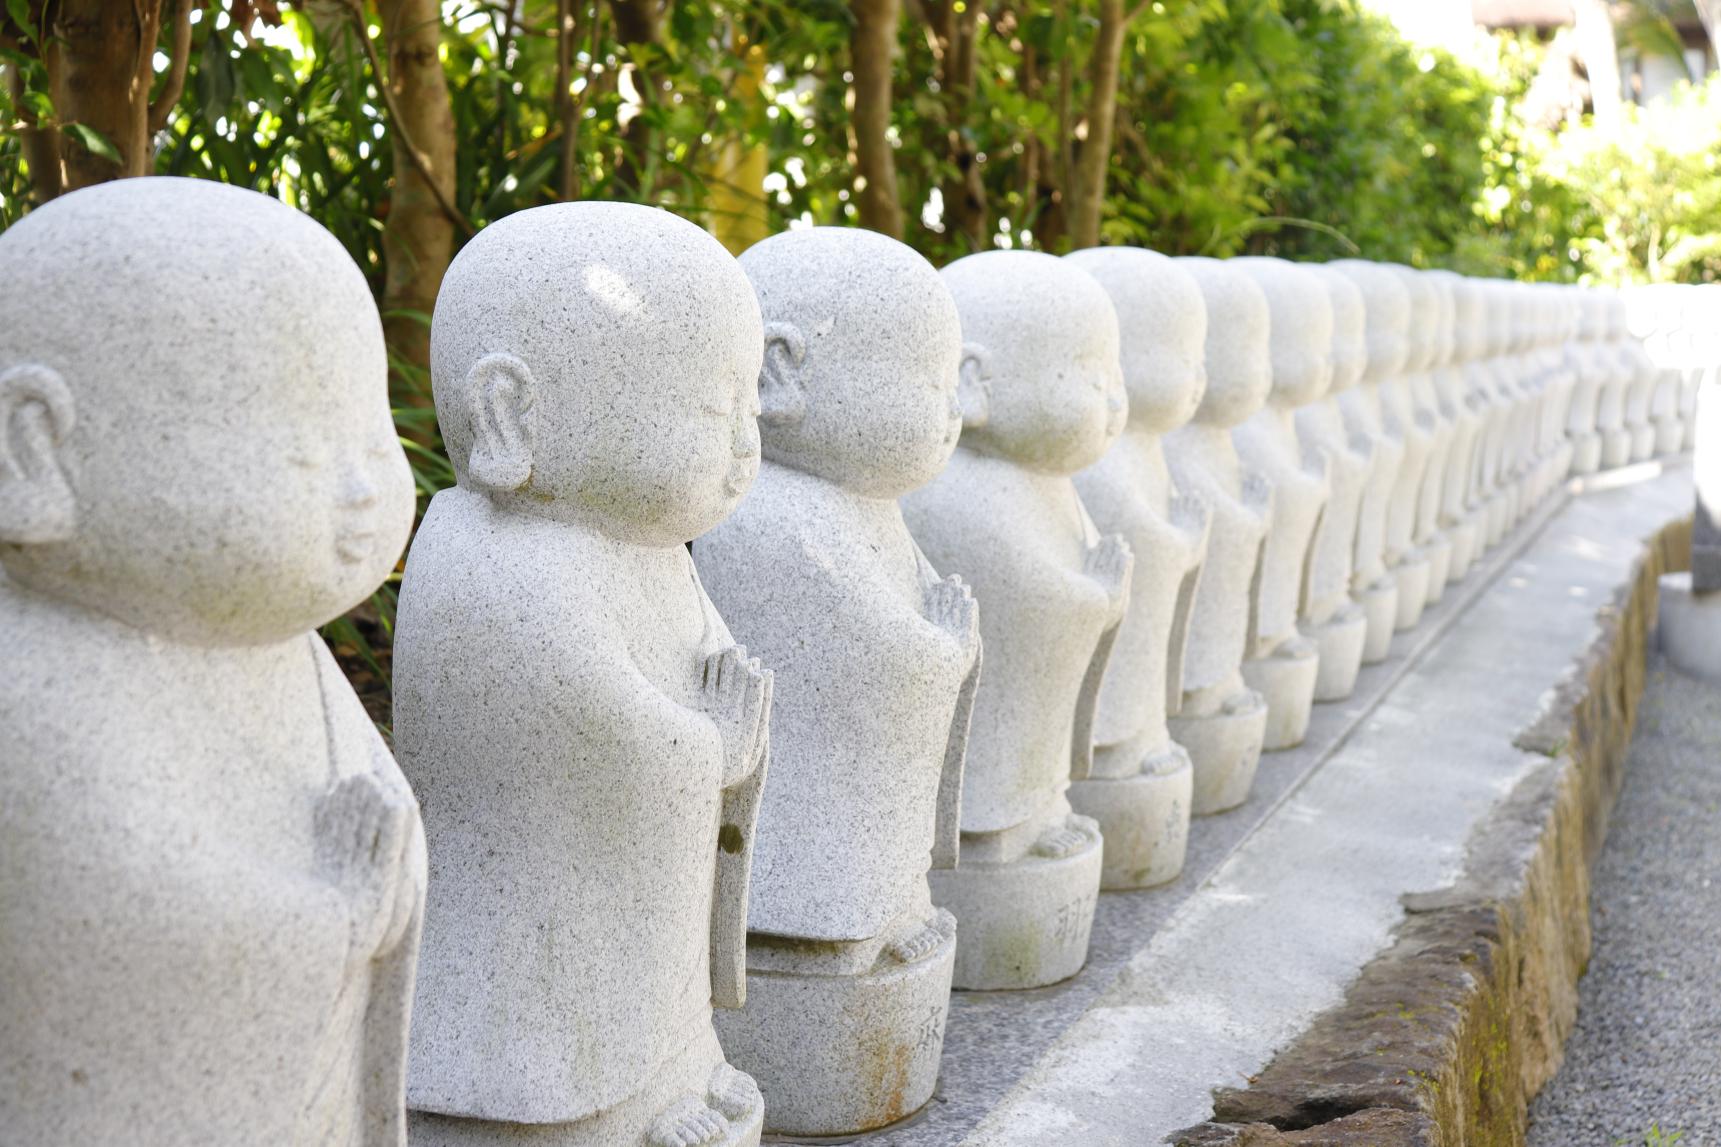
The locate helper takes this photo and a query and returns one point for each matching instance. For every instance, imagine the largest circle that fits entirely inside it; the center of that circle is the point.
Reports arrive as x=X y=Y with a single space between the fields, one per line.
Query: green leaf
x=19 y=10
x=216 y=82
x=40 y=105
x=95 y=142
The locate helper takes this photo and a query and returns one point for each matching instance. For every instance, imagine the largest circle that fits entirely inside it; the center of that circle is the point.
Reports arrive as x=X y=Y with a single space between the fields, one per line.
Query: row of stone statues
x=806 y=634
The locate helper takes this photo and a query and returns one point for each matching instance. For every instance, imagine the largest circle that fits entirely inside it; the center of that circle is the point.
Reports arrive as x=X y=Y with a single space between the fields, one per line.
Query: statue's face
x=862 y=359
x=882 y=423
x=1162 y=326
x=1047 y=336
x=1301 y=330
x=237 y=502
x=1166 y=374
x=228 y=479
x=1057 y=394
x=1303 y=366
x=656 y=459
x=1238 y=351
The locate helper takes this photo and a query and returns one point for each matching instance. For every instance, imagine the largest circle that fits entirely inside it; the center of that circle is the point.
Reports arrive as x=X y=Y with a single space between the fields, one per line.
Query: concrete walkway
x=1647 y=1049
x=1195 y=986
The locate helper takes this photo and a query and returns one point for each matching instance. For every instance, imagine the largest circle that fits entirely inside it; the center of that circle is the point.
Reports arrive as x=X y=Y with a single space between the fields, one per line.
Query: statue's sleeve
x=735 y=832
x=947 y=827
x=1087 y=701
x=358 y=756
x=388 y=1013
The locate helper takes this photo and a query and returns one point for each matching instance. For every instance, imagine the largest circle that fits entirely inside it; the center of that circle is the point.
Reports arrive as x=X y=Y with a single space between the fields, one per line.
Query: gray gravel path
x=1647 y=1049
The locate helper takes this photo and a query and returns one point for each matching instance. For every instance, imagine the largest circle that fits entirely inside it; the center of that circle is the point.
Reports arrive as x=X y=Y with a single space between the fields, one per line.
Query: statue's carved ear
x=36 y=414
x=782 y=397
x=974 y=386
x=500 y=392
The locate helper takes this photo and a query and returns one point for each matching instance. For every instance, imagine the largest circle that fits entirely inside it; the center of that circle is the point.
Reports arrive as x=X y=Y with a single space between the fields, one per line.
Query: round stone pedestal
x=1439 y=551
x=1286 y=681
x=1517 y=502
x=1412 y=574
x=1380 y=611
x=839 y=1055
x=1024 y=923
x=1564 y=453
x=1669 y=435
x=696 y=1075
x=1224 y=749
x=1339 y=643
x=1643 y=442
x=1689 y=627
x=1465 y=551
x=1615 y=448
x=1498 y=518
x=1144 y=820
x=1586 y=453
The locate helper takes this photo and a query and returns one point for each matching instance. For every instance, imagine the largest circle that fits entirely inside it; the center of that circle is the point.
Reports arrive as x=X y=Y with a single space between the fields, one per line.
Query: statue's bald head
x=600 y=359
x=200 y=369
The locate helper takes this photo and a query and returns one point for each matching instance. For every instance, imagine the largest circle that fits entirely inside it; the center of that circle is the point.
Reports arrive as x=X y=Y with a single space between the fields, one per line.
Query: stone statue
x=1552 y=330
x=1414 y=428
x=1139 y=787
x=1589 y=368
x=874 y=660
x=1656 y=318
x=1430 y=322
x=213 y=873
x=1281 y=664
x=587 y=739
x=1337 y=622
x=1620 y=374
x=1461 y=342
x=1500 y=384
x=1642 y=375
x=1223 y=722
x=1386 y=306
x=1042 y=398
x=1530 y=396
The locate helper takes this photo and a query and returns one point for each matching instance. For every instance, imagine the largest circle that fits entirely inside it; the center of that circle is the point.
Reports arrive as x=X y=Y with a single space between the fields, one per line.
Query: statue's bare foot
x=1240 y=703
x=688 y=1123
x=1057 y=843
x=917 y=945
x=733 y=1093
x=1297 y=648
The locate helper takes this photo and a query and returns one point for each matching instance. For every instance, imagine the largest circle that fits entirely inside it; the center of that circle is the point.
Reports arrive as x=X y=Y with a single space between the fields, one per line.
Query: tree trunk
x=736 y=175
x=638 y=24
x=418 y=235
x=965 y=206
x=872 y=46
x=1709 y=11
x=1599 y=50
x=1095 y=156
x=101 y=70
x=569 y=108
x=40 y=143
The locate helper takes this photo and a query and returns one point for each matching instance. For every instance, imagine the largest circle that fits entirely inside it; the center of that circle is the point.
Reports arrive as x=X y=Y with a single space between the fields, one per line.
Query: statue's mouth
x=355 y=545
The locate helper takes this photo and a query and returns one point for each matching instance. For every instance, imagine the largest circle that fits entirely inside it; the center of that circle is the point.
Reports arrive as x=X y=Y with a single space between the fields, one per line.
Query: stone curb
x=1446 y=1036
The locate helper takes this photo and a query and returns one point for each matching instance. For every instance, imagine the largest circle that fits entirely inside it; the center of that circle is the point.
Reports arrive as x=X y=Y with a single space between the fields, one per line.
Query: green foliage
x=1303 y=128
x=1646 y=197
